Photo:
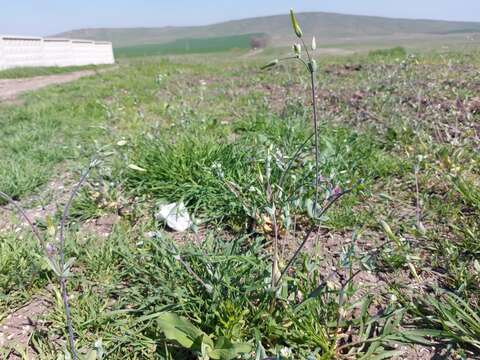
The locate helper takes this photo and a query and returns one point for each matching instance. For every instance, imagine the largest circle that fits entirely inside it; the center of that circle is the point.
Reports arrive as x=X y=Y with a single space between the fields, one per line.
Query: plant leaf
x=226 y=350
x=136 y=168
x=54 y=266
x=179 y=329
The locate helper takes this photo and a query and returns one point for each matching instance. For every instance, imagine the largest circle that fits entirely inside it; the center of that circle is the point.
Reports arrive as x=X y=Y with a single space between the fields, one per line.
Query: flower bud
x=50 y=249
x=297 y=49
x=270 y=64
x=314 y=43
x=295 y=25
x=312 y=66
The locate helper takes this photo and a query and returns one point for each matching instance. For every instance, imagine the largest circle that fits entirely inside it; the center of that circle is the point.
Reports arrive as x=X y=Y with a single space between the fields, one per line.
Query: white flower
x=286 y=353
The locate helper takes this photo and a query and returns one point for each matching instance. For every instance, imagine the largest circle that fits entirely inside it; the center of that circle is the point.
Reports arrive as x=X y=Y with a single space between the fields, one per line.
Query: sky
x=48 y=17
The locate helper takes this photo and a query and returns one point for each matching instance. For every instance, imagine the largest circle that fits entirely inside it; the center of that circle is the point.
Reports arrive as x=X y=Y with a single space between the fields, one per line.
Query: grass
x=392 y=53
x=223 y=181
x=43 y=134
x=20 y=73
x=214 y=134
x=189 y=46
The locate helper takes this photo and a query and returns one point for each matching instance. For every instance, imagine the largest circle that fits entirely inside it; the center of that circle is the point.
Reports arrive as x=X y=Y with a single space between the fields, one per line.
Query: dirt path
x=252 y=53
x=10 y=89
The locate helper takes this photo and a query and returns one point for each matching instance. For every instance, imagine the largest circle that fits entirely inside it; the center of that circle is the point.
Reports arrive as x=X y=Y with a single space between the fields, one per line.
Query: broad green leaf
x=202 y=343
x=226 y=350
x=179 y=329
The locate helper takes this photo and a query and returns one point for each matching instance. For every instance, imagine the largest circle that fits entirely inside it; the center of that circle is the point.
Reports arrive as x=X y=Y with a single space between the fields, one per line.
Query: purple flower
x=50 y=249
x=337 y=190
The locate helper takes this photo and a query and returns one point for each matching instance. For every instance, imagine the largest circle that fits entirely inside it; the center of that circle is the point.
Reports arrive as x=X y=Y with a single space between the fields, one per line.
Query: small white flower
x=286 y=353
x=218 y=170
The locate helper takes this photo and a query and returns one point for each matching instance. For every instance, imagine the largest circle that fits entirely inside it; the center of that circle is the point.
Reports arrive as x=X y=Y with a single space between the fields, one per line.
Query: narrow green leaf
x=136 y=168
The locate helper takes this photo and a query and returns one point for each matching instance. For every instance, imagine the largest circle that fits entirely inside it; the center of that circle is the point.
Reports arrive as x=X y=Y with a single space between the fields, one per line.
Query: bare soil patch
x=39 y=206
x=16 y=329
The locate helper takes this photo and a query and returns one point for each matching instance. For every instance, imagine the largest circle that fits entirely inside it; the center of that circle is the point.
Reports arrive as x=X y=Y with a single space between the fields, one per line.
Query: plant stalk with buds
x=312 y=67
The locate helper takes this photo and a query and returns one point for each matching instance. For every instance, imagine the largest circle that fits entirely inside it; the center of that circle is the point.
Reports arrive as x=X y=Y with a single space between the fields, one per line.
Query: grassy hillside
x=188 y=46
x=329 y=28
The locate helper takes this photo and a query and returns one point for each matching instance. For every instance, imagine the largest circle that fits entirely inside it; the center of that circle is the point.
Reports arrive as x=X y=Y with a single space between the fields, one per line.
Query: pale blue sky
x=44 y=17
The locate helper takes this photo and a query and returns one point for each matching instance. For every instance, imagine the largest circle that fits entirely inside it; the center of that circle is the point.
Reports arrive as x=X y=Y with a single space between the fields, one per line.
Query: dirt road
x=10 y=89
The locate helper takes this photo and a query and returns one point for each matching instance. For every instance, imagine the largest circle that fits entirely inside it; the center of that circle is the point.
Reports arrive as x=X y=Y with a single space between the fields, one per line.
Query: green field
x=391 y=270
x=189 y=46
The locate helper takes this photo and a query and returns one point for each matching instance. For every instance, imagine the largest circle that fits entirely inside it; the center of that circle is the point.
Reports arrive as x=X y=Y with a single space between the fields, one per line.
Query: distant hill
x=329 y=28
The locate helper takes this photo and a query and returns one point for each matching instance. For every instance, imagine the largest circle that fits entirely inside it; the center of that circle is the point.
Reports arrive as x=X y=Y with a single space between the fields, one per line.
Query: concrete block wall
x=21 y=51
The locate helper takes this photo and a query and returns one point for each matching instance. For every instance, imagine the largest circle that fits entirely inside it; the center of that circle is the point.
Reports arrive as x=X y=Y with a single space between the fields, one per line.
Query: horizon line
x=267 y=16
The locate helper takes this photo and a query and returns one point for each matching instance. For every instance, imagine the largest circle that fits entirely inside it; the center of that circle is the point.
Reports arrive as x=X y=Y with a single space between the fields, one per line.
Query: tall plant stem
x=315 y=125
x=63 y=279
x=68 y=315
x=312 y=72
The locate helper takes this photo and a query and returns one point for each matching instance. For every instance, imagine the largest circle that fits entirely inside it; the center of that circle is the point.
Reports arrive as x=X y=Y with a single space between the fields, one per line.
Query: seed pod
x=314 y=43
x=312 y=66
x=270 y=64
x=295 y=25
x=297 y=49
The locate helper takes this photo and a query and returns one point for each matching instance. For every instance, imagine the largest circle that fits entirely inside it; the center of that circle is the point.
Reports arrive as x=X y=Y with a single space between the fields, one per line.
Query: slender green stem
x=315 y=124
x=317 y=155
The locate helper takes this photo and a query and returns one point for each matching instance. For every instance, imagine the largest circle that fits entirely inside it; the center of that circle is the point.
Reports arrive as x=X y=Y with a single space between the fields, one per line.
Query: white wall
x=19 y=51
